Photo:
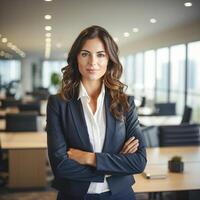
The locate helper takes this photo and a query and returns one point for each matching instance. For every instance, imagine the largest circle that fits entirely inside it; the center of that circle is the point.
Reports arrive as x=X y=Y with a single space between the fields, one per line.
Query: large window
x=129 y=73
x=10 y=70
x=139 y=75
x=149 y=74
x=193 y=79
x=50 y=67
x=177 y=76
x=162 y=74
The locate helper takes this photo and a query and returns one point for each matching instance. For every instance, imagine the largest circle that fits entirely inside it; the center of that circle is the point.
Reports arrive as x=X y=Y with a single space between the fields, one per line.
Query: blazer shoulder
x=55 y=102
x=131 y=101
x=56 y=99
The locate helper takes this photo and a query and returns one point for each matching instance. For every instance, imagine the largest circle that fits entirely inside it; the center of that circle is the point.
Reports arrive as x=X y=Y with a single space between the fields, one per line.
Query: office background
x=159 y=43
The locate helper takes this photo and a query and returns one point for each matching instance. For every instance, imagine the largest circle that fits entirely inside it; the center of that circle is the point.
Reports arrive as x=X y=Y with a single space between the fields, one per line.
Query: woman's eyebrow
x=90 y=52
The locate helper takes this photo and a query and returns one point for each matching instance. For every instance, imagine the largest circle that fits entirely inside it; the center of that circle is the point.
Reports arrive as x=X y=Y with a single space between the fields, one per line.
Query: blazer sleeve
x=125 y=164
x=62 y=166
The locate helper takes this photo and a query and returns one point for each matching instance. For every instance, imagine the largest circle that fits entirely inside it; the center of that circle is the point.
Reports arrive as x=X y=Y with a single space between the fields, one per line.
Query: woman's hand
x=82 y=157
x=130 y=146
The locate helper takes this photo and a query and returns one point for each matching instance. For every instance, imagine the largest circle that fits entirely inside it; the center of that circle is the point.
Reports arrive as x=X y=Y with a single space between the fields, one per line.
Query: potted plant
x=55 y=81
x=176 y=164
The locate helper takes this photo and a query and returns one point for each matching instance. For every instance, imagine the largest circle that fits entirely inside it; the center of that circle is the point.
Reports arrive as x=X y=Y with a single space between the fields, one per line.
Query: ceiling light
x=48 y=34
x=48 y=17
x=153 y=20
x=126 y=34
x=48 y=40
x=4 y=40
x=187 y=4
x=22 y=54
x=116 y=39
x=13 y=47
x=135 y=30
x=47 y=0
x=2 y=53
x=9 y=44
x=48 y=28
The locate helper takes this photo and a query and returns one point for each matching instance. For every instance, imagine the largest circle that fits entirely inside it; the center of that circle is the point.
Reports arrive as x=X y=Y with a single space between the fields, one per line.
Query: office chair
x=24 y=121
x=10 y=102
x=187 y=115
x=165 y=109
x=151 y=136
x=179 y=135
x=143 y=102
x=33 y=106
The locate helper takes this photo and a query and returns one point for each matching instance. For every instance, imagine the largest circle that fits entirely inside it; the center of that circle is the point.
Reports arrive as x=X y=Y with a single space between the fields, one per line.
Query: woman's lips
x=92 y=70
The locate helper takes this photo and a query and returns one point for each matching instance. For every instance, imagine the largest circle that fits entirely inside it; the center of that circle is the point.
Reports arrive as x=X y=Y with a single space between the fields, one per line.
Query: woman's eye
x=84 y=54
x=101 y=55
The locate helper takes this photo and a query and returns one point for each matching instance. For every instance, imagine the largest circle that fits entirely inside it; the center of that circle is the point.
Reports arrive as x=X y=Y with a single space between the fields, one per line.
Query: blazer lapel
x=110 y=125
x=80 y=123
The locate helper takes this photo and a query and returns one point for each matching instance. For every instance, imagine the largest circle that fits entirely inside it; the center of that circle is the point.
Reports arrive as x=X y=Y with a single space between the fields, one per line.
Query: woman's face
x=92 y=60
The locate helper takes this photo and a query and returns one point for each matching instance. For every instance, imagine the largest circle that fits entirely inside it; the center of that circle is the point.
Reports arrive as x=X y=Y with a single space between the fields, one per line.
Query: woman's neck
x=93 y=88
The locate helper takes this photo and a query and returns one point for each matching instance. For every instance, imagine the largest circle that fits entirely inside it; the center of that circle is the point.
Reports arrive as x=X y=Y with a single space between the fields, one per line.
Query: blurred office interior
x=159 y=43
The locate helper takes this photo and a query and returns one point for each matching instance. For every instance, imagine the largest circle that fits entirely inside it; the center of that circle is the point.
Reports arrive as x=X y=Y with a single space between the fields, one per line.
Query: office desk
x=3 y=112
x=27 y=158
x=2 y=124
x=41 y=120
x=160 y=120
x=157 y=161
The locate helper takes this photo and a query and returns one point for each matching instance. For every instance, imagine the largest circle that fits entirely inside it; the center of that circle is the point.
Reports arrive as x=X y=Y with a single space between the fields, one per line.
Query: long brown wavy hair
x=71 y=75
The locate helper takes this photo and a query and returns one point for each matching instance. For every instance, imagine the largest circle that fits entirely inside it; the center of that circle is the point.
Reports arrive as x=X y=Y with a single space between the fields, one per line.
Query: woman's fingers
x=127 y=143
x=130 y=146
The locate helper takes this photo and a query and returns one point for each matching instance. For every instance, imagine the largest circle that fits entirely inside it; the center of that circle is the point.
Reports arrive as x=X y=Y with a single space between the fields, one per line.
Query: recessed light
x=126 y=34
x=48 y=17
x=153 y=20
x=4 y=40
x=187 y=4
x=48 y=28
x=47 y=0
x=116 y=39
x=2 y=53
x=135 y=30
x=9 y=44
x=48 y=39
x=48 y=34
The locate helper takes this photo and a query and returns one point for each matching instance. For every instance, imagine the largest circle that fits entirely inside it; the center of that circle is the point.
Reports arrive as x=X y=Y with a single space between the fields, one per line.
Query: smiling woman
x=95 y=143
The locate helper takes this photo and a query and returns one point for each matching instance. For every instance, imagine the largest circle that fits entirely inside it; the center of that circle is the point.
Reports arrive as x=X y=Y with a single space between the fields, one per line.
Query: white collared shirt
x=96 y=126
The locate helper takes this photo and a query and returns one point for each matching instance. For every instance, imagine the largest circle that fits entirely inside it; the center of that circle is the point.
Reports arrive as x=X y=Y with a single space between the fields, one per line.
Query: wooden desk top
x=23 y=140
x=158 y=162
x=161 y=155
x=3 y=112
x=188 y=180
x=2 y=124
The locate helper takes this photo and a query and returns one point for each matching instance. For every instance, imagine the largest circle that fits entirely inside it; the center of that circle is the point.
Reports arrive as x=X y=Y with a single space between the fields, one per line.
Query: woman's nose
x=93 y=60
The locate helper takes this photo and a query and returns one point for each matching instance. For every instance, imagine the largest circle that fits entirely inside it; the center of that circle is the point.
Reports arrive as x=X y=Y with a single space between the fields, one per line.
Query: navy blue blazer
x=66 y=128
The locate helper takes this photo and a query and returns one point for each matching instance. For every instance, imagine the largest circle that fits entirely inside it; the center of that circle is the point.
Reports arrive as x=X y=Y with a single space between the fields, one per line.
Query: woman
x=94 y=139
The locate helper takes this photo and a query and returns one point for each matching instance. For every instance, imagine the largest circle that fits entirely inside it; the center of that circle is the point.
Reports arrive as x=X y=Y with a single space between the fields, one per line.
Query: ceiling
x=22 y=21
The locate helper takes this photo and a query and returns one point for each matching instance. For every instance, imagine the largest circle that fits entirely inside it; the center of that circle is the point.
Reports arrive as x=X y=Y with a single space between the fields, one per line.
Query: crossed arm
x=89 y=158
